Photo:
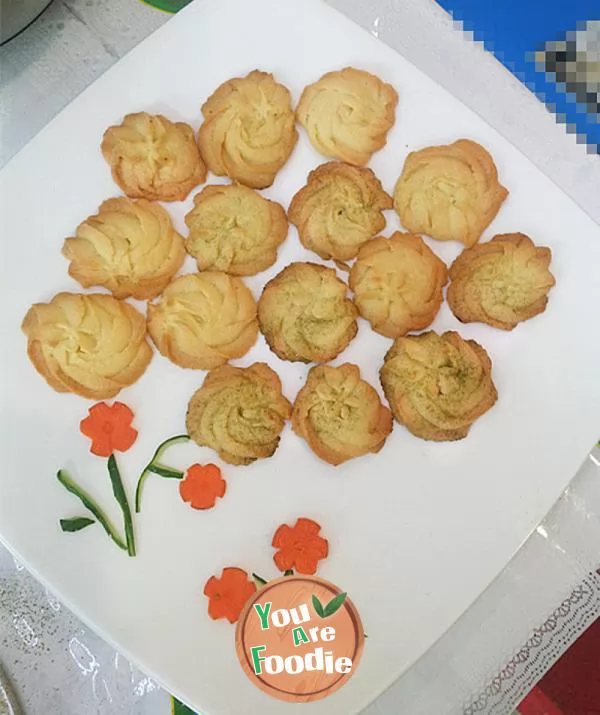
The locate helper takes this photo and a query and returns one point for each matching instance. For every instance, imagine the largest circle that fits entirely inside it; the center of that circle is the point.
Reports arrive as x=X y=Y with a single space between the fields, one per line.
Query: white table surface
x=547 y=595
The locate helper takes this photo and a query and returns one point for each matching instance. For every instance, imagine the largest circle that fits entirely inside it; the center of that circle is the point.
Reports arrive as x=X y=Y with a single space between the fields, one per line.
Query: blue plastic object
x=515 y=30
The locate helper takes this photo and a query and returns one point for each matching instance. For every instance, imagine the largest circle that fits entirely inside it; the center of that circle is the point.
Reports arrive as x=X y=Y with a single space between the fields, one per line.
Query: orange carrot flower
x=300 y=546
x=109 y=428
x=202 y=486
x=229 y=594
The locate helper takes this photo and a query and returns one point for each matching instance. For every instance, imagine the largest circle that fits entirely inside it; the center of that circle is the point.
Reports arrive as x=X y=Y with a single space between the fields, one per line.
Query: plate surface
x=416 y=532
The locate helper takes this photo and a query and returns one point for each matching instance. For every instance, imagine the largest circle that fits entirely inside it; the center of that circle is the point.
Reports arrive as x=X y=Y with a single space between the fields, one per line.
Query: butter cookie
x=339 y=415
x=202 y=320
x=239 y=412
x=502 y=282
x=438 y=385
x=340 y=209
x=397 y=284
x=450 y=193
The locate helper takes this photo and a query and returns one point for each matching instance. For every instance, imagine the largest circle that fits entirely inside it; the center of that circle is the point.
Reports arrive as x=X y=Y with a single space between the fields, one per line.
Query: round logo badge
x=299 y=638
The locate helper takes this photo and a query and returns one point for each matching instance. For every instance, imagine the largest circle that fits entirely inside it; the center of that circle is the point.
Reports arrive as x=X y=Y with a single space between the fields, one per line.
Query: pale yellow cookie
x=153 y=158
x=202 y=320
x=450 y=193
x=235 y=229
x=129 y=247
x=305 y=315
x=397 y=284
x=339 y=415
x=249 y=129
x=90 y=344
x=438 y=385
x=340 y=209
x=239 y=412
x=502 y=282
x=348 y=114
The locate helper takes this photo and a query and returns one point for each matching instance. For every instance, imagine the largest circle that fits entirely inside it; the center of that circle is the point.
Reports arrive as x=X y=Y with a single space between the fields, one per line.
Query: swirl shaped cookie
x=239 y=412
x=339 y=210
x=90 y=344
x=153 y=158
x=397 y=284
x=129 y=247
x=234 y=229
x=339 y=415
x=249 y=129
x=502 y=282
x=305 y=315
x=203 y=320
x=438 y=385
x=348 y=114
x=450 y=193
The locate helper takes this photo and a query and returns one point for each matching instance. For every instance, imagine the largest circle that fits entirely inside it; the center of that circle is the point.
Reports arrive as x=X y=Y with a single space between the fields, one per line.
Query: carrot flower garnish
x=300 y=547
x=109 y=428
x=202 y=486
x=229 y=594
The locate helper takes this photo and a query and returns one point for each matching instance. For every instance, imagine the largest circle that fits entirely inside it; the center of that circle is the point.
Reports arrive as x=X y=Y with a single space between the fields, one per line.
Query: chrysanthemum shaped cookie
x=450 y=193
x=90 y=344
x=153 y=158
x=502 y=282
x=235 y=229
x=348 y=114
x=305 y=315
x=202 y=320
x=129 y=247
x=438 y=385
x=239 y=412
x=249 y=129
x=340 y=209
x=339 y=415
x=397 y=284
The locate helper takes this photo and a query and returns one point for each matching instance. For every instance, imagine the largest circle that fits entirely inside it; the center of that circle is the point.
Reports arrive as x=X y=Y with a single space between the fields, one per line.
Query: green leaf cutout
x=259 y=580
x=167 y=5
x=155 y=466
x=289 y=572
x=77 y=523
x=121 y=497
x=71 y=486
x=335 y=604
x=178 y=708
x=318 y=606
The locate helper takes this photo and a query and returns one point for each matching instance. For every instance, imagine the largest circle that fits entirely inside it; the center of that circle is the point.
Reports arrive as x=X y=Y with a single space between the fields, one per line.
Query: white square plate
x=417 y=531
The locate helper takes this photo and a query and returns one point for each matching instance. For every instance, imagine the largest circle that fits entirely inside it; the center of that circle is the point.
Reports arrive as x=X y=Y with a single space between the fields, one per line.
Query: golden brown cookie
x=202 y=320
x=339 y=415
x=438 y=385
x=502 y=282
x=90 y=344
x=305 y=315
x=239 y=412
x=235 y=229
x=340 y=208
x=153 y=158
x=249 y=129
x=450 y=193
x=129 y=247
x=397 y=284
x=348 y=114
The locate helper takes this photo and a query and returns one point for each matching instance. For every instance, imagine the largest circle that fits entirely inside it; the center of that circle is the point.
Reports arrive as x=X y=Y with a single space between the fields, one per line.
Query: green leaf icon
x=318 y=606
x=167 y=5
x=76 y=524
x=335 y=604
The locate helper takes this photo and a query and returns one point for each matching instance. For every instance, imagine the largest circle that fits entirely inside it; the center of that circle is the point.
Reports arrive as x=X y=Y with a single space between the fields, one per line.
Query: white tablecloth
x=550 y=591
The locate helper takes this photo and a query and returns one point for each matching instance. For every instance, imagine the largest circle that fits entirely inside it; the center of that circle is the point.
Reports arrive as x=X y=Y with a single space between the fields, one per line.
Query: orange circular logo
x=299 y=638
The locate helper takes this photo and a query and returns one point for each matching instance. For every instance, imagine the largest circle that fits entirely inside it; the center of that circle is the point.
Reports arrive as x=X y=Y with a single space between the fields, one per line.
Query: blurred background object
x=16 y=15
x=552 y=46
